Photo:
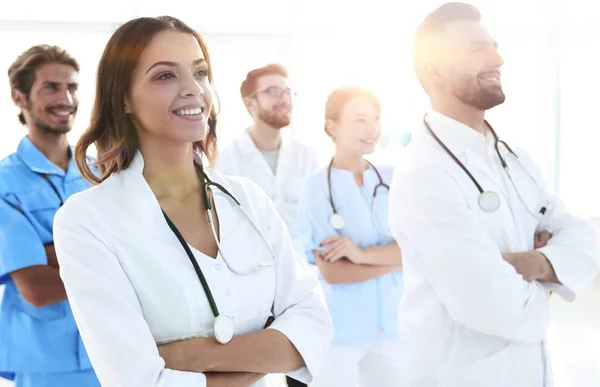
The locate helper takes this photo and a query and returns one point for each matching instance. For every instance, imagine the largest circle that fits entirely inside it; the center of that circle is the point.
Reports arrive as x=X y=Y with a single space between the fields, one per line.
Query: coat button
x=218 y=266
x=228 y=292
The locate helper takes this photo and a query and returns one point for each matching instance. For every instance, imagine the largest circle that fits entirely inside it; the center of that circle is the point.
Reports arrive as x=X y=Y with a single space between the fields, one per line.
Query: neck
x=458 y=111
x=265 y=137
x=54 y=146
x=169 y=169
x=352 y=162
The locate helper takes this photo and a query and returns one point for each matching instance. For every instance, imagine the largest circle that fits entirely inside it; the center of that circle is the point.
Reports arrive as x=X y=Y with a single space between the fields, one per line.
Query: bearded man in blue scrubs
x=40 y=344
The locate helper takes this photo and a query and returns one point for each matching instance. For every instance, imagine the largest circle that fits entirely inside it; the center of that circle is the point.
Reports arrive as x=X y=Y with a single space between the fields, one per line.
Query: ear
x=19 y=98
x=331 y=128
x=251 y=105
x=433 y=73
x=128 y=108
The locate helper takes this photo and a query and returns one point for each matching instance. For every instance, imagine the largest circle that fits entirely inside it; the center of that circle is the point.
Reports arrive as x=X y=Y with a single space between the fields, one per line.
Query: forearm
x=345 y=272
x=383 y=255
x=231 y=379
x=40 y=285
x=262 y=352
x=532 y=265
x=51 y=289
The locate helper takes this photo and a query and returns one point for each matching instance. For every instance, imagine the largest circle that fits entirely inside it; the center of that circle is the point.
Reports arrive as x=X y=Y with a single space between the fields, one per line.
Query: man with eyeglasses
x=266 y=155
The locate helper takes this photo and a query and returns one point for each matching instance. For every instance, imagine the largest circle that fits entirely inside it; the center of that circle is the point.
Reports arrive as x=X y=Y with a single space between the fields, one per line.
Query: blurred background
x=549 y=79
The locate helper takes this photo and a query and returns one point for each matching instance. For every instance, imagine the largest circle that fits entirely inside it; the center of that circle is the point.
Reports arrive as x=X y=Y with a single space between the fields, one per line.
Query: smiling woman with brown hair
x=172 y=270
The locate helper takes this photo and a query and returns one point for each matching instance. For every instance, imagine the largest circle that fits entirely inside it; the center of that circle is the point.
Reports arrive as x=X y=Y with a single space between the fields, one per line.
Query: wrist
x=362 y=256
x=211 y=356
x=200 y=355
x=545 y=269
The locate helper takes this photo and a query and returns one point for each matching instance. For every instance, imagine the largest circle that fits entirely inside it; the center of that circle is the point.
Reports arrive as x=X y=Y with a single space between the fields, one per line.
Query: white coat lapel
x=237 y=235
x=484 y=174
x=253 y=161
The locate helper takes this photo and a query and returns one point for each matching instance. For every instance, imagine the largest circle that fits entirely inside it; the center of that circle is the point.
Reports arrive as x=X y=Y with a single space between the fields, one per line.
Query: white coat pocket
x=491 y=371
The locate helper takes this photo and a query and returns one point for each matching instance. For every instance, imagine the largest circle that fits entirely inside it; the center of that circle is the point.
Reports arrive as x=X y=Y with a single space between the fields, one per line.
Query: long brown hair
x=111 y=129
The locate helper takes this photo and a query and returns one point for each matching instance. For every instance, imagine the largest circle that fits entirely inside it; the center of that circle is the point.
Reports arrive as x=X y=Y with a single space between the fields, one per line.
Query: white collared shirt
x=295 y=163
x=131 y=286
x=467 y=319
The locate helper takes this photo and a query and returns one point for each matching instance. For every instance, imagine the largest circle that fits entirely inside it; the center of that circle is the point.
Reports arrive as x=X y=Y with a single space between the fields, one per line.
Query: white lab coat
x=295 y=163
x=131 y=285
x=467 y=318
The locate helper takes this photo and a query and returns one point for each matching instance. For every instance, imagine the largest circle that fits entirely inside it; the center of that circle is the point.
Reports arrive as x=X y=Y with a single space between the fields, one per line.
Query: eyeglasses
x=277 y=92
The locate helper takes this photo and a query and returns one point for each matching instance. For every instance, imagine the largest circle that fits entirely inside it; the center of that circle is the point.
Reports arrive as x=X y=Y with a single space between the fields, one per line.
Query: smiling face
x=272 y=101
x=357 y=129
x=51 y=105
x=469 y=70
x=171 y=96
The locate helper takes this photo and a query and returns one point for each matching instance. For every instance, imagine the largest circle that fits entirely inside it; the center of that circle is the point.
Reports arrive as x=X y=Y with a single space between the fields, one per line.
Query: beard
x=477 y=96
x=44 y=126
x=274 y=118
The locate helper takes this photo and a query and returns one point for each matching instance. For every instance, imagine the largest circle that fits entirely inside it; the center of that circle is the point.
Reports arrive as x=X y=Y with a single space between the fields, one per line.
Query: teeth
x=189 y=112
x=62 y=113
x=492 y=78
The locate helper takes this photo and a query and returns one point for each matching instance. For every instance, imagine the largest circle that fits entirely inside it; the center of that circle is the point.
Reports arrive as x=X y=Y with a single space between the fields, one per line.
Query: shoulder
x=305 y=151
x=229 y=157
x=316 y=180
x=242 y=188
x=87 y=204
x=236 y=145
x=314 y=191
x=230 y=148
x=12 y=173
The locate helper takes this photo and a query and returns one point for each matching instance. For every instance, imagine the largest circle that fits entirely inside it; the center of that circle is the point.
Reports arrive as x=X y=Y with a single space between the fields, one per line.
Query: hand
x=532 y=265
x=541 y=239
x=338 y=246
x=51 y=255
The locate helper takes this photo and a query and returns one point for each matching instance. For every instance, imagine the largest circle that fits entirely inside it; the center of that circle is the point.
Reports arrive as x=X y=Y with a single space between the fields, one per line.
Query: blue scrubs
x=362 y=312
x=40 y=346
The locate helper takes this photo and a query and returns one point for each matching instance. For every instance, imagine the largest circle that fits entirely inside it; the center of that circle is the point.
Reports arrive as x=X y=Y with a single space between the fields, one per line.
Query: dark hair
x=340 y=97
x=248 y=87
x=21 y=73
x=111 y=129
x=432 y=26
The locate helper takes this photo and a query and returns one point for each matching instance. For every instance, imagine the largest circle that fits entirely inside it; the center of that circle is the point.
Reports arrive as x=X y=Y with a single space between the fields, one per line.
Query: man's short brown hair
x=21 y=73
x=249 y=85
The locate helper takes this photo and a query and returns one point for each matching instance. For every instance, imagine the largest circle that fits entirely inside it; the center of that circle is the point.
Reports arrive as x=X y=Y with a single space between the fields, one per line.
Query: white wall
x=548 y=77
x=549 y=47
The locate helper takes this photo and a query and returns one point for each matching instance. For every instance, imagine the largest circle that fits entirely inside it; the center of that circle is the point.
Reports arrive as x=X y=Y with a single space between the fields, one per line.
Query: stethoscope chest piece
x=489 y=201
x=224 y=328
x=337 y=221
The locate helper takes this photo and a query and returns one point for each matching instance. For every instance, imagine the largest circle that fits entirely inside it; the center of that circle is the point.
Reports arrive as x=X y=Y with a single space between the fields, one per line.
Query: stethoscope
x=224 y=326
x=489 y=201
x=337 y=220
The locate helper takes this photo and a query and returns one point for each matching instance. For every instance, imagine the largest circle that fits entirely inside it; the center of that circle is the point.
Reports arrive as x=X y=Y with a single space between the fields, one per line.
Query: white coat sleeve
x=105 y=306
x=300 y=309
x=572 y=250
x=445 y=243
